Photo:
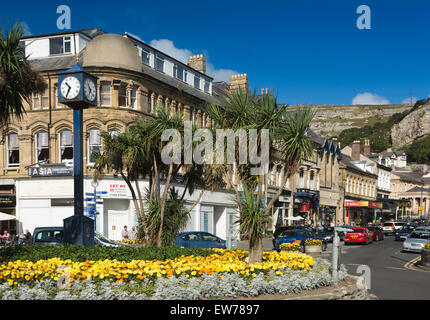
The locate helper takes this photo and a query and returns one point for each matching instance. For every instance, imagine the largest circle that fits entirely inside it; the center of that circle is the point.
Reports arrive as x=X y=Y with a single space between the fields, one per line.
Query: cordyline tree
x=17 y=80
x=137 y=154
x=288 y=146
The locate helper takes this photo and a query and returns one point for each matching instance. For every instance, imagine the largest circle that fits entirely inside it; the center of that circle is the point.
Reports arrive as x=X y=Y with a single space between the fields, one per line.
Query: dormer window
x=159 y=64
x=196 y=82
x=207 y=86
x=60 y=45
x=145 y=57
x=180 y=73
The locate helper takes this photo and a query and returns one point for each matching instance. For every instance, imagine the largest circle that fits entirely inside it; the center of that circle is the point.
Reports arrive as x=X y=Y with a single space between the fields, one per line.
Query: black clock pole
x=78 y=162
x=78 y=229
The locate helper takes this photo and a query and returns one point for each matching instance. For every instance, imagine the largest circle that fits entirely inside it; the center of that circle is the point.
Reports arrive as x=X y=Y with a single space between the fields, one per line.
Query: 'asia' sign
x=60 y=171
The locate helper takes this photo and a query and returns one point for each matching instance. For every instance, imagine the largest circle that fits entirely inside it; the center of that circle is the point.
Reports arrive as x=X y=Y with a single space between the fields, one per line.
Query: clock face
x=90 y=90
x=70 y=88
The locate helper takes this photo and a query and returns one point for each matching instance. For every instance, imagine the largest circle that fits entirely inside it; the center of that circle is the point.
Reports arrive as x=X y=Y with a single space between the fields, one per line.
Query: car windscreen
x=288 y=234
x=102 y=238
x=357 y=231
x=420 y=235
x=408 y=228
x=388 y=224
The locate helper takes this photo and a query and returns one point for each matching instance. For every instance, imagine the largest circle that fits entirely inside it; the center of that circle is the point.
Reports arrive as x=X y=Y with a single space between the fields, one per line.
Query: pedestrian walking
x=124 y=234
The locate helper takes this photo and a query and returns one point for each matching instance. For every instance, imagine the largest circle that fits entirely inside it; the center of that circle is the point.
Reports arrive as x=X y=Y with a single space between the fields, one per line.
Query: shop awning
x=6 y=217
x=363 y=204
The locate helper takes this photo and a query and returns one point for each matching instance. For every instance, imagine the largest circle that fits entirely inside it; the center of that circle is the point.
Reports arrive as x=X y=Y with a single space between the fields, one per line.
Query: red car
x=359 y=235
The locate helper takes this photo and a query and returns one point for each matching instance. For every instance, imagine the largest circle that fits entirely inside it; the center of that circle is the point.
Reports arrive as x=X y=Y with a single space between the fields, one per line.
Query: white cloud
x=26 y=29
x=168 y=47
x=408 y=100
x=368 y=98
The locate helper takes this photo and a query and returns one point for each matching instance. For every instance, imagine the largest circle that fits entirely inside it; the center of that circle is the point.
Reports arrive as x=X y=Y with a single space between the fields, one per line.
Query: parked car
x=298 y=236
x=376 y=232
x=54 y=236
x=328 y=234
x=359 y=235
x=199 y=239
x=422 y=228
x=390 y=227
x=416 y=241
x=280 y=229
x=405 y=231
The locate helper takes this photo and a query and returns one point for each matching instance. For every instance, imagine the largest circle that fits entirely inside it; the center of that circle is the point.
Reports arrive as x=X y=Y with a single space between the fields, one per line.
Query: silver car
x=416 y=241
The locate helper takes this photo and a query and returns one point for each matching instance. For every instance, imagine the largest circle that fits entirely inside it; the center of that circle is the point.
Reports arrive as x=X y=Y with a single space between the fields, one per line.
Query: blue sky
x=310 y=52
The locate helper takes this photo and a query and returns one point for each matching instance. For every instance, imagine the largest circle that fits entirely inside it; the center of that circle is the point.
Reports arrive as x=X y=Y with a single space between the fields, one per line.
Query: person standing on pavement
x=132 y=234
x=124 y=234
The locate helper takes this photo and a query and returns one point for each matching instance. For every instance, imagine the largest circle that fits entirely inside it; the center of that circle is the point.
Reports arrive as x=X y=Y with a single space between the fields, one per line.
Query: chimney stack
x=366 y=149
x=239 y=81
x=356 y=150
x=198 y=63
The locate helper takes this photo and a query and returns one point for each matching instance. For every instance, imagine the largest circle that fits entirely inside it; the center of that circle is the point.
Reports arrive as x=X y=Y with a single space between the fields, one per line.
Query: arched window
x=66 y=147
x=41 y=146
x=94 y=145
x=12 y=151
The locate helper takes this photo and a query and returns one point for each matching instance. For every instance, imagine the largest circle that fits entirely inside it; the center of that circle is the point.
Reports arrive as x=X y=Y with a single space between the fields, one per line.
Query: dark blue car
x=198 y=239
x=405 y=231
x=288 y=236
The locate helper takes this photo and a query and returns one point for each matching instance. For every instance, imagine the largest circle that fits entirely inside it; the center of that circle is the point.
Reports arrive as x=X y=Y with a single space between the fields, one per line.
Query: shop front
x=306 y=205
x=8 y=206
x=360 y=213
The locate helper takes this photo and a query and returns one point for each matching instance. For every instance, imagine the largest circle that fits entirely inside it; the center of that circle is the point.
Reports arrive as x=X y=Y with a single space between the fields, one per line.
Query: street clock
x=77 y=88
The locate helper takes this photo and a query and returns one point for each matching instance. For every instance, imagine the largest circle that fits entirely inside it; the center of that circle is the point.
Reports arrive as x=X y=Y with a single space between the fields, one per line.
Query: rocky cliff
x=414 y=126
x=330 y=120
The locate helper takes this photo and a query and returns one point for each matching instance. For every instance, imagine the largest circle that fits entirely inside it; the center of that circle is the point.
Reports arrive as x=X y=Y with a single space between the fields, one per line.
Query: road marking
x=411 y=265
x=395 y=268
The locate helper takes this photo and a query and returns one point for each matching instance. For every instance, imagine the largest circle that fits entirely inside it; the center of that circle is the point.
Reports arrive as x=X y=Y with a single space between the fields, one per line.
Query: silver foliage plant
x=181 y=288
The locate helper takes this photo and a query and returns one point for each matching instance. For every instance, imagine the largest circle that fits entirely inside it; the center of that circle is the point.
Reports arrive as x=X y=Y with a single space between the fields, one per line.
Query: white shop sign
x=117 y=190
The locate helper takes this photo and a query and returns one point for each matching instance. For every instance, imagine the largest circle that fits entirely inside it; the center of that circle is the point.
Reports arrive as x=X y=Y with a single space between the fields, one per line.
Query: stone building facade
x=133 y=79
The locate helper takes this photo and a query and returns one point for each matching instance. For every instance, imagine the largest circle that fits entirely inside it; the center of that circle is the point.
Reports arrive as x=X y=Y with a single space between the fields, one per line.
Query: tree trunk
x=256 y=251
x=163 y=204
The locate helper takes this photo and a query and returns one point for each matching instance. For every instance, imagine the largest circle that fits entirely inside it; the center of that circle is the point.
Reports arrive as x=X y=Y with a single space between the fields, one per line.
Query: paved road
x=393 y=274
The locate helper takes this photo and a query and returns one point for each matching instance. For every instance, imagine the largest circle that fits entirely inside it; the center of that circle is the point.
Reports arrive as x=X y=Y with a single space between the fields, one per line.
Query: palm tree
x=288 y=146
x=17 y=80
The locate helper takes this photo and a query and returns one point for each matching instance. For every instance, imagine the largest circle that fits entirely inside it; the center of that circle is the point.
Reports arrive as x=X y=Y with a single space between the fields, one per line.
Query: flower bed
x=222 y=274
x=290 y=247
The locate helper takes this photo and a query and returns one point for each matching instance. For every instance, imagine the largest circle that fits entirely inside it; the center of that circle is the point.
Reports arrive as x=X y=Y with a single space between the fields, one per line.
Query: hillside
x=408 y=130
x=331 y=120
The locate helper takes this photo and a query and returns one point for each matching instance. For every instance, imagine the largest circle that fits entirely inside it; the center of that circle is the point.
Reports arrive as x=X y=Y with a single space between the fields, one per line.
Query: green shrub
x=82 y=254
